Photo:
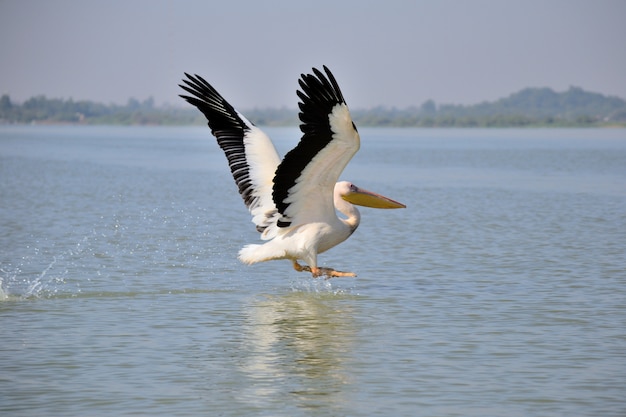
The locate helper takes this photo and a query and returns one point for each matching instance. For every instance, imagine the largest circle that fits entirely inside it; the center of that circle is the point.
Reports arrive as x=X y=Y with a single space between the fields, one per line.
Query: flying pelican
x=293 y=203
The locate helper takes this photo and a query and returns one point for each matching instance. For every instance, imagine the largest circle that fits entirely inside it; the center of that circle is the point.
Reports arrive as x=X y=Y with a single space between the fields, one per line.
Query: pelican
x=293 y=202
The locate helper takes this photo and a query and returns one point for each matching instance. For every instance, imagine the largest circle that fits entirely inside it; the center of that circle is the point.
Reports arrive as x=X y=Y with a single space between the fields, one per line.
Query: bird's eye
x=353 y=188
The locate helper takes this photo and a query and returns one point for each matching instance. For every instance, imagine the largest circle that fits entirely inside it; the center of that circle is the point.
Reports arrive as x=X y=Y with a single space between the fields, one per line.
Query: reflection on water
x=298 y=341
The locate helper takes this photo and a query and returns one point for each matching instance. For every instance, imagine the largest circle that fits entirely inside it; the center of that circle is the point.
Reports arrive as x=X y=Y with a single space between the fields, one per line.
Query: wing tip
x=320 y=87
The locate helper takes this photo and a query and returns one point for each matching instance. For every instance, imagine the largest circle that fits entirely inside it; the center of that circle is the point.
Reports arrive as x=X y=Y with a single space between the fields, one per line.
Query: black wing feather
x=320 y=94
x=227 y=126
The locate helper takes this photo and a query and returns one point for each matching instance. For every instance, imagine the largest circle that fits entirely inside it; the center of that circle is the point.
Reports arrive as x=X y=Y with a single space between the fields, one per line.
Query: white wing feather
x=311 y=198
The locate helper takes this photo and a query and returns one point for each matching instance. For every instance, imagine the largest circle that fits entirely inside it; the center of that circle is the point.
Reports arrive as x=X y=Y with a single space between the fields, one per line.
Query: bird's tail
x=251 y=254
x=246 y=254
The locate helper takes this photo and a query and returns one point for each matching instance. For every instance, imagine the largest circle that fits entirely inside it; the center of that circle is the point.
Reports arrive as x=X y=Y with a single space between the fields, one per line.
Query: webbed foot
x=318 y=272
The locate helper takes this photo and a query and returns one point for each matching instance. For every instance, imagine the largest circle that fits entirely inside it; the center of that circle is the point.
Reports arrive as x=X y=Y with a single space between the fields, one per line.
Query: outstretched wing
x=305 y=180
x=251 y=154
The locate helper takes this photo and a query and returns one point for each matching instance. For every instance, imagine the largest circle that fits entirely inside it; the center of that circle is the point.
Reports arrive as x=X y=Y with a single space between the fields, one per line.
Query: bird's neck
x=353 y=216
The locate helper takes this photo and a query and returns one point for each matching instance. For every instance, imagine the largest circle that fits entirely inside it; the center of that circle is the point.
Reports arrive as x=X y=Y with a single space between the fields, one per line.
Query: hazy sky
x=391 y=52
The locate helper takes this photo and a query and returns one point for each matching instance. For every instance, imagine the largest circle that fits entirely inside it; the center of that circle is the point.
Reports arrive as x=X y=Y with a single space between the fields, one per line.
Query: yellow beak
x=365 y=198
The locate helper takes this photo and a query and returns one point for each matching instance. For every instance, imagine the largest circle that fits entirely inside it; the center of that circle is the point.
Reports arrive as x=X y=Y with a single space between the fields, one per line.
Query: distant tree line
x=41 y=109
x=528 y=107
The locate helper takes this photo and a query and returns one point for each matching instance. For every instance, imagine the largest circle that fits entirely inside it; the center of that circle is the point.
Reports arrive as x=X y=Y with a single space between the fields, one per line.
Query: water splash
x=320 y=286
x=40 y=274
x=17 y=284
x=37 y=284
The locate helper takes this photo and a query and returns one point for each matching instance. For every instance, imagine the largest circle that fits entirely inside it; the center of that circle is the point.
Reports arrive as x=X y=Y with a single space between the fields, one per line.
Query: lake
x=499 y=291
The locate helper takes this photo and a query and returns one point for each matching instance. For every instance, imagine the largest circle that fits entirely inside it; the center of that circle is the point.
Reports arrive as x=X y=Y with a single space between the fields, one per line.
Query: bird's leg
x=299 y=267
x=331 y=273
x=317 y=272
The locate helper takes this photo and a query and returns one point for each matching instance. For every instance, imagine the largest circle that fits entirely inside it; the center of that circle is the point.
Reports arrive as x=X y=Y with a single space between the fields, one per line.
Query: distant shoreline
x=530 y=107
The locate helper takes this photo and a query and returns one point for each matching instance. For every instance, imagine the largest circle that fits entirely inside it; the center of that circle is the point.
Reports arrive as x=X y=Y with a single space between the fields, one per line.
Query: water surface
x=500 y=290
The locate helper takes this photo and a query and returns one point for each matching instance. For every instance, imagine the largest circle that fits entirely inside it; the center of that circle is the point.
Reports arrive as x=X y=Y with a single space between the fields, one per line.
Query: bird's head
x=361 y=197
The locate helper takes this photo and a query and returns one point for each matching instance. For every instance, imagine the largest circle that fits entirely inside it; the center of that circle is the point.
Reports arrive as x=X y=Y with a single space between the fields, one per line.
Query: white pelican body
x=293 y=202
